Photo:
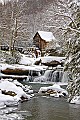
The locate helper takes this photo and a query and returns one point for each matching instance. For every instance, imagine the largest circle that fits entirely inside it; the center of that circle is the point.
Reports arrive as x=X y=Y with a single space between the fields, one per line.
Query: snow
x=56 y=95
x=13 y=76
x=57 y=90
x=5 y=1
x=47 y=36
x=68 y=60
x=2 y=105
x=6 y=85
x=23 y=67
x=26 y=60
x=2 y=1
x=27 y=63
x=8 y=100
x=46 y=59
x=75 y=100
x=10 y=86
x=77 y=2
x=18 y=84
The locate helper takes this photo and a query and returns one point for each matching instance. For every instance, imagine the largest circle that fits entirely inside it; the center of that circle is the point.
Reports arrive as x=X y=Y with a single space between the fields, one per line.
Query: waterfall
x=65 y=77
x=57 y=76
x=48 y=75
x=53 y=76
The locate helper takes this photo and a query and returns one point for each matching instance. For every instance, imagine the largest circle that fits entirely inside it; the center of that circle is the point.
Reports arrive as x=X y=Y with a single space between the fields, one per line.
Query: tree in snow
x=72 y=36
x=12 y=25
x=9 y=22
x=9 y=27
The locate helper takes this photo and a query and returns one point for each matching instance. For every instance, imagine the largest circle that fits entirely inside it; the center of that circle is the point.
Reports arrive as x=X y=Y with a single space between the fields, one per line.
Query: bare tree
x=10 y=21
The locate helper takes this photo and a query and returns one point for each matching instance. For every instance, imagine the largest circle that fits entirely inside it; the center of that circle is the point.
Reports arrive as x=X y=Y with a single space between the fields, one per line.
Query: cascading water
x=57 y=76
x=53 y=76
x=65 y=77
x=48 y=75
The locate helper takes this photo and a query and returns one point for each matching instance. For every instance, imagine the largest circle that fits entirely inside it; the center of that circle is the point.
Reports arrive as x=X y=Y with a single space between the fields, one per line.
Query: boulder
x=15 y=71
x=52 y=63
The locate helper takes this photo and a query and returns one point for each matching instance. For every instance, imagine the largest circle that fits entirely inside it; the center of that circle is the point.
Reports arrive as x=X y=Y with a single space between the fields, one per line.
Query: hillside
x=32 y=15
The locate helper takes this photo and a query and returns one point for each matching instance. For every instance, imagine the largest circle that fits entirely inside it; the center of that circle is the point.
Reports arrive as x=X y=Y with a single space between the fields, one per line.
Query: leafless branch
x=69 y=28
x=67 y=17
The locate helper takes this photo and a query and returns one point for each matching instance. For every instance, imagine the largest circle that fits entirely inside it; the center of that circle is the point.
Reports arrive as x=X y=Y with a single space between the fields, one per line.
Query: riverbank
x=50 y=108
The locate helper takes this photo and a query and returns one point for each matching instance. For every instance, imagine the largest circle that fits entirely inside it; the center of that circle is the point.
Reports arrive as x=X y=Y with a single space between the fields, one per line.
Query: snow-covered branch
x=69 y=28
x=66 y=16
x=75 y=30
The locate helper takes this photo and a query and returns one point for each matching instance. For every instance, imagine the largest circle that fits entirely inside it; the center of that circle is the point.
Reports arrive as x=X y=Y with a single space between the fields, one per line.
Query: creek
x=49 y=108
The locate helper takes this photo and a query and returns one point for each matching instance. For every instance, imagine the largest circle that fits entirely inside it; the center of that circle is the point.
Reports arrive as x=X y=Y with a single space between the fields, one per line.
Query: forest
x=20 y=20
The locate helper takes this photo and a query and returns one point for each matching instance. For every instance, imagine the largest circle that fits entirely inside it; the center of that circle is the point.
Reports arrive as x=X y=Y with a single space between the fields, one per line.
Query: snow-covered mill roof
x=47 y=36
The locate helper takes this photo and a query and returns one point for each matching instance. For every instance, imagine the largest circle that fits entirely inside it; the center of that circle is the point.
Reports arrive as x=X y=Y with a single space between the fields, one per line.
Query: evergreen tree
x=73 y=51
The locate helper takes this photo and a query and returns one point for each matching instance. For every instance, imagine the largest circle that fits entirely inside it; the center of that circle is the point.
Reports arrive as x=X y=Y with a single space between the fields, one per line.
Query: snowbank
x=8 y=100
x=26 y=60
x=12 y=92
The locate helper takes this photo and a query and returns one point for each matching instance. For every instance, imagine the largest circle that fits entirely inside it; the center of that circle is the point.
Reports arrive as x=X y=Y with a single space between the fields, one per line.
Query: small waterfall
x=57 y=76
x=48 y=75
x=65 y=77
x=53 y=76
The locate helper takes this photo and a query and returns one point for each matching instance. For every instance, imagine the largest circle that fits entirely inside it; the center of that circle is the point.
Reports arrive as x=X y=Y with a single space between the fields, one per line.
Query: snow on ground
x=75 y=100
x=52 y=58
x=30 y=63
x=26 y=60
x=10 y=86
x=7 y=100
x=9 y=104
x=18 y=88
x=11 y=113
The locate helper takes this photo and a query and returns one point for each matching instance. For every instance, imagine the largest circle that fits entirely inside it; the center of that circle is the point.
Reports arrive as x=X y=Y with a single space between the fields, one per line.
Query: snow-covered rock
x=7 y=100
x=8 y=87
x=18 y=84
x=26 y=60
x=20 y=68
x=12 y=116
x=54 y=90
x=30 y=91
x=50 y=60
x=56 y=95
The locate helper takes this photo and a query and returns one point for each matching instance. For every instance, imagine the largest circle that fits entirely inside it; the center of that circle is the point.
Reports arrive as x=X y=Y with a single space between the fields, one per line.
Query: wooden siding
x=39 y=42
